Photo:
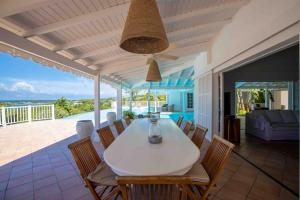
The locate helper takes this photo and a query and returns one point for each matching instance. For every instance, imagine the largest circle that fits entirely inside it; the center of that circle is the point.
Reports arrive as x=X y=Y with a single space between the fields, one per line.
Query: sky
x=22 y=79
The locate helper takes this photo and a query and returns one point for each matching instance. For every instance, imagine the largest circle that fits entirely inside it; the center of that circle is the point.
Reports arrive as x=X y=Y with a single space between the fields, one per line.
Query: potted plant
x=128 y=114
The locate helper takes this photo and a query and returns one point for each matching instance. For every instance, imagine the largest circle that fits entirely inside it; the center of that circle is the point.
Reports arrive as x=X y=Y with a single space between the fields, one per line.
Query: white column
x=29 y=114
x=119 y=102
x=97 y=101
x=53 y=112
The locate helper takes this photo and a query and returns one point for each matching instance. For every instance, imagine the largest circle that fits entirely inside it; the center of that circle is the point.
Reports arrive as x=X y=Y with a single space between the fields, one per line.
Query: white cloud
x=22 y=86
x=80 y=87
x=2 y=87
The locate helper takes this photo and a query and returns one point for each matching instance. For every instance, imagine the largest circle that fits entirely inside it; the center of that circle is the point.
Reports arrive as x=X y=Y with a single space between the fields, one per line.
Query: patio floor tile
x=3 y=185
x=20 y=181
x=75 y=192
x=50 y=192
x=70 y=182
x=44 y=182
x=20 y=173
x=19 y=190
x=43 y=174
x=4 y=176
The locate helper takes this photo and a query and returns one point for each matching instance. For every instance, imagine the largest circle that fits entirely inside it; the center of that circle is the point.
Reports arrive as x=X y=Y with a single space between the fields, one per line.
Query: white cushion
x=103 y=175
x=288 y=116
x=198 y=173
x=274 y=116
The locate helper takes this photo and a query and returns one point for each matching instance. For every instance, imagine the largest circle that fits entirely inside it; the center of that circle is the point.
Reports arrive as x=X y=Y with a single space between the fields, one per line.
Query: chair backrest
x=85 y=156
x=199 y=135
x=106 y=136
x=179 y=121
x=119 y=126
x=128 y=121
x=155 y=187
x=217 y=154
x=187 y=127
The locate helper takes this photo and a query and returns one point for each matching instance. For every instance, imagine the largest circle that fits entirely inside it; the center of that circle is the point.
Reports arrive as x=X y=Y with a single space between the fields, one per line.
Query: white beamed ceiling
x=87 y=32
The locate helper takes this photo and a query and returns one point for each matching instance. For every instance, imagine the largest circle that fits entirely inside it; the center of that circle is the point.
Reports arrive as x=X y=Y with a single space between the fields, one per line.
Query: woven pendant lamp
x=153 y=74
x=144 y=32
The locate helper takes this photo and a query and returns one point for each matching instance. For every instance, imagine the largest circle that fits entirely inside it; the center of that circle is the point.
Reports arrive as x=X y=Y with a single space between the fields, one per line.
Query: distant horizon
x=24 y=100
x=24 y=79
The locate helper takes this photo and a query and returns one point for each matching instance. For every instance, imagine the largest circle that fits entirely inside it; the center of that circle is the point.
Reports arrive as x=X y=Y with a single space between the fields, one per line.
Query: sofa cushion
x=285 y=127
x=274 y=116
x=288 y=116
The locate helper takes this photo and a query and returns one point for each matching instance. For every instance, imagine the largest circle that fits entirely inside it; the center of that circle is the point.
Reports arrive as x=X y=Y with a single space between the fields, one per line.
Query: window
x=190 y=100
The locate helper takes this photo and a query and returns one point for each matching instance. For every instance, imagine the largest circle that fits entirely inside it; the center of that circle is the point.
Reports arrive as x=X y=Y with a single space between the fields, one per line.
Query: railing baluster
x=19 y=114
x=10 y=116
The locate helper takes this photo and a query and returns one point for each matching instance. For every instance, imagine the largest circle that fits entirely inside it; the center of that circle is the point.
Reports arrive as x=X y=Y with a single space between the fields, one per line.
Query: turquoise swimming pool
x=175 y=115
x=169 y=115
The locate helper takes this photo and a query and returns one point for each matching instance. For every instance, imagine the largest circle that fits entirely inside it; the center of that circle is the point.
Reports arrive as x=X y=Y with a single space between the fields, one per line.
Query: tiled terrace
x=36 y=164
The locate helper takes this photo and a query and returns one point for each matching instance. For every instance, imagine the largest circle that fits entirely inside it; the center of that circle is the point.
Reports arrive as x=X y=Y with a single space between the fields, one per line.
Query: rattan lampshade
x=144 y=32
x=153 y=74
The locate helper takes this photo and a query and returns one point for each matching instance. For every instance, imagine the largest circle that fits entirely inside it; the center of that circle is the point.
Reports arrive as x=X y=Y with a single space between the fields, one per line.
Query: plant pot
x=84 y=128
x=111 y=117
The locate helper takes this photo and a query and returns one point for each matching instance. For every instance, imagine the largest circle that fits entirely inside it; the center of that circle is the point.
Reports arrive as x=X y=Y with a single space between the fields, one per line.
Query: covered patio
x=43 y=168
x=82 y=37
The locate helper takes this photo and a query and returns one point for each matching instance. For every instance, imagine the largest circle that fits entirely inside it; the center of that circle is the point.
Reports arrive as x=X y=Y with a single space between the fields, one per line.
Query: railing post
x=3 y=116
x=29 y=114
x=53 y=112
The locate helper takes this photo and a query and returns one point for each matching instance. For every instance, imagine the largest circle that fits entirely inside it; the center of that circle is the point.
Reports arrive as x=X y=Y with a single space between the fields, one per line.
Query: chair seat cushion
x=103 y=175
x=198 y=173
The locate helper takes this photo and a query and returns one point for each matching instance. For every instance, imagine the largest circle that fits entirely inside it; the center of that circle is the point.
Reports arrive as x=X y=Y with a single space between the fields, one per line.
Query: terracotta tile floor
x=280 y=159
x=36 y=164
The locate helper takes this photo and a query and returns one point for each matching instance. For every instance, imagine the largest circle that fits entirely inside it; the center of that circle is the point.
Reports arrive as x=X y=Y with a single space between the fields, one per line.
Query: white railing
x=20 y=114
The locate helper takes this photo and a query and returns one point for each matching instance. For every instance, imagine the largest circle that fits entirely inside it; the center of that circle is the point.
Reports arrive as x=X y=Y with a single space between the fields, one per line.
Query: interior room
x=264 y=97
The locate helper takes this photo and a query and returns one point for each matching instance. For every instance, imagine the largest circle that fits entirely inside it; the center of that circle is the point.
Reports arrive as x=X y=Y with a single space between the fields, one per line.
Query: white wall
x=175 y=97
x=252 y=30
x=203 y=91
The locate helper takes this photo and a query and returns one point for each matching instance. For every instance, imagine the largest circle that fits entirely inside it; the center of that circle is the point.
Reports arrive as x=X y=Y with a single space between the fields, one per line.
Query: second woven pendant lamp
x=153 y=74
x=144 y=32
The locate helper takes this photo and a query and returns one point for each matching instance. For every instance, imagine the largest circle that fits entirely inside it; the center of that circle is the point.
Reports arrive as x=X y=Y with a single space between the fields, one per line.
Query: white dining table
x=132 y=155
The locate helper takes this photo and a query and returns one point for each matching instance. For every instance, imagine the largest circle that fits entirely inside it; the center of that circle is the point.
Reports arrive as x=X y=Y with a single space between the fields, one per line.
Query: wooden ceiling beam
x=111 y=11
x=116 y=33
x=133 y=66
x=12 y=7
x=116 y=47
x=182 y=51
x=123 y=8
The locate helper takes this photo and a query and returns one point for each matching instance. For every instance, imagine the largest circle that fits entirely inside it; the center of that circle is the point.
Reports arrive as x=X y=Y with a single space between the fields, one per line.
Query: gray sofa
x=273 y=124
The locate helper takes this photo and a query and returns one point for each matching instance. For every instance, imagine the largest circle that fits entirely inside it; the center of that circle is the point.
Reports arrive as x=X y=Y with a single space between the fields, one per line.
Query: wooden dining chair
x=106 y=136
x=87 y=161
x=187 y=127
x=199 y=135
x=128 y=121
x=156 y=187
x=179 y=121
x=213 y=163
x=119 y=126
